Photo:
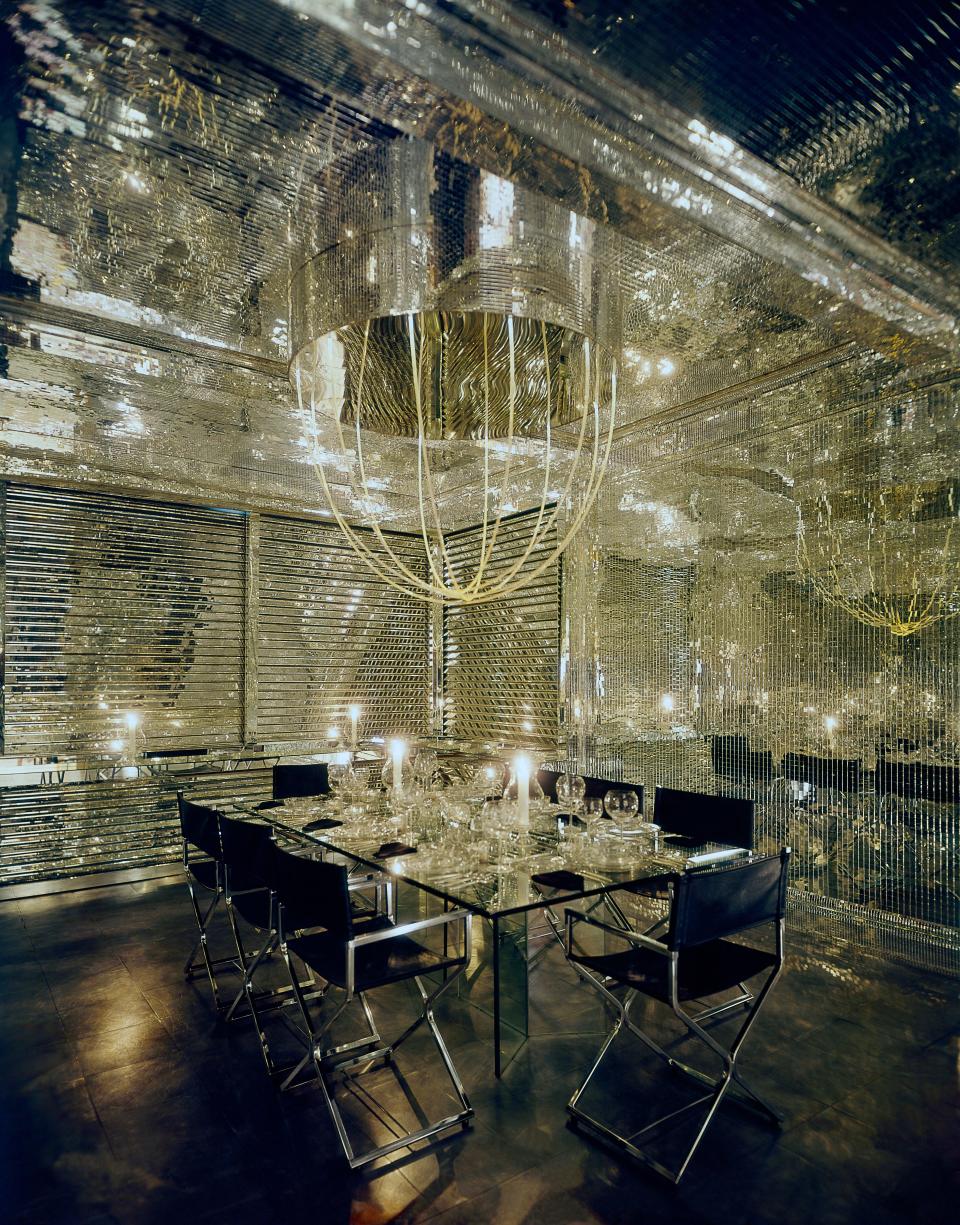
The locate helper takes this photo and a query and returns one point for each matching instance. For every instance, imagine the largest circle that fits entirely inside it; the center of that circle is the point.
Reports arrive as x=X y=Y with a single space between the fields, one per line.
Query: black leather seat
x=704 y=970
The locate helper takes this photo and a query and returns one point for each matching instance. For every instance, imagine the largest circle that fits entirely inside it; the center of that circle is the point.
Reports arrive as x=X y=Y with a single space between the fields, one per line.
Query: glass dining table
x=451 y=857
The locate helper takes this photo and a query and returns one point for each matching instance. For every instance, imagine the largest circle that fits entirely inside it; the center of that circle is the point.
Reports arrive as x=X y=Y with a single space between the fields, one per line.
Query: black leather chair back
x=312 y=893
x=292 y=782
x=705 y=818
x=598 y=787
x=200 y=826
x=839 y=773
x=713 y=904
x=247 y=849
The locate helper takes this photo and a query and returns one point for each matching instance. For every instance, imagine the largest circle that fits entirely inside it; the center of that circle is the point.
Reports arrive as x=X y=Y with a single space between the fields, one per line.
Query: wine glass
x=592 y=812
x=571 y=789
x=425 y=768
x=338 y=774
x=620 y=805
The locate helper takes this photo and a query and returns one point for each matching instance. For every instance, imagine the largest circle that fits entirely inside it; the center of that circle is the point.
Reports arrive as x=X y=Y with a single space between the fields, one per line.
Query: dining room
x=480 y=603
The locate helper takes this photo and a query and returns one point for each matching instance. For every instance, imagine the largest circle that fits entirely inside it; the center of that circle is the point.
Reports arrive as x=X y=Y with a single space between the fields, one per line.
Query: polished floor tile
x=126 y=1101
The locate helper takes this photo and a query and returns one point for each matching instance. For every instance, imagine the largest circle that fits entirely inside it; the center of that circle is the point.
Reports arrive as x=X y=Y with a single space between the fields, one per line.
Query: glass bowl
x=620 y=804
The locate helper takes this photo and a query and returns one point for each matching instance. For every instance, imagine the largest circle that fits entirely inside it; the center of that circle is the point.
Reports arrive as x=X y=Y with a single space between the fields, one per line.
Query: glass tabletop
x=449 y=847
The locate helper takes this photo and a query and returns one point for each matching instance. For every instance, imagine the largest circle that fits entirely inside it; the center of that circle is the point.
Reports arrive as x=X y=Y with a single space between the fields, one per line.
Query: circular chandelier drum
x=453 y=313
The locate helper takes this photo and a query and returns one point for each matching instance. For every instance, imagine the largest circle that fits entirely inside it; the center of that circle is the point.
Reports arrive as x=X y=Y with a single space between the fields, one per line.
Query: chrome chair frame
x=249 y=963
x=210 y=965
x=359 y=1056
x=719 y=1087
x=268 y=1001
x=596 y=787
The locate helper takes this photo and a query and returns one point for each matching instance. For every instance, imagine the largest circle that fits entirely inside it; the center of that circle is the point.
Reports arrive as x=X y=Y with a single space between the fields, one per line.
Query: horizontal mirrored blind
x=332 y=633
x=501 y=660
x=115 y=606
x=54 y=831
x=67 y=829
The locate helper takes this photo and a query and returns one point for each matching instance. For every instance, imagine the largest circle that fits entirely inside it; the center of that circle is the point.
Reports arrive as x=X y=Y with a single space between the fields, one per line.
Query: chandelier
x=885 y=554
x=453 y=338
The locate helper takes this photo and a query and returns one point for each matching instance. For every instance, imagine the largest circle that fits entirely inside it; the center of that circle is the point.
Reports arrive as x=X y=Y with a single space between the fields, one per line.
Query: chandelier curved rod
x=484 y=555
x=535 y=535
x=505 y=576
x=372 y=560
x=593 y=485
x=426 y=592
x=502 y=582
x=469 y=592
x=511 y=426
x=404 y=569
x=423 y=469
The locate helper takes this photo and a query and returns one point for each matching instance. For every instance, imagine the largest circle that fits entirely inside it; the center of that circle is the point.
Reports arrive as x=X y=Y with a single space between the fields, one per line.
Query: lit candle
x=522 y=768
x=396 y=752
x=354 y=723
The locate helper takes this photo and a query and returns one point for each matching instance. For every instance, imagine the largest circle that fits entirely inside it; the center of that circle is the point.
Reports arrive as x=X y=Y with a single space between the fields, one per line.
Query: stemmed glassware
x=620 y=804
x=571 y=789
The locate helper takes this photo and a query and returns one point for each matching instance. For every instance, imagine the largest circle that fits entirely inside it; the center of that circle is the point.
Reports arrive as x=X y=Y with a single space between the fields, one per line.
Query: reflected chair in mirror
x=917 y=783
x=356 y=957
x=200 y=830
x=735 y=760
x=806 y=774
x=296 y=781
x=695 y=960
x=692 y=818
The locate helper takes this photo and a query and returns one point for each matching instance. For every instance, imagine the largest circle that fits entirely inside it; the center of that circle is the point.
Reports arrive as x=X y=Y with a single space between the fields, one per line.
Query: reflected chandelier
x=887 y=555
x=477 y=325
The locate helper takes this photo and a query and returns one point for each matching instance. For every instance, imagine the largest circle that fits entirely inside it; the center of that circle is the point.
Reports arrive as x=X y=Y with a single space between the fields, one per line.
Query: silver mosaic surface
x=115 y=607
x=330 y=636
x=718 y=657
x=500 y=661
x=159 y=195
x=789 y=300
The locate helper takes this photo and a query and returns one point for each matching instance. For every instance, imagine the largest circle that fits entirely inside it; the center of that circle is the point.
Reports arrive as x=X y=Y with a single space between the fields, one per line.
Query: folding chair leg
x=578 y=1093
x=329 y=1060
x=207 y=963
x=745 y=997
x=202 y=921
x=720 y=1086
x=708 y=1119
x=266 y=950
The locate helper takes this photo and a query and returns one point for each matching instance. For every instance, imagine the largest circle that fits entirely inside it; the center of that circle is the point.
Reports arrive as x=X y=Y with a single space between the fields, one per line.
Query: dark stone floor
x=124 y=1101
